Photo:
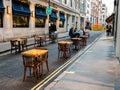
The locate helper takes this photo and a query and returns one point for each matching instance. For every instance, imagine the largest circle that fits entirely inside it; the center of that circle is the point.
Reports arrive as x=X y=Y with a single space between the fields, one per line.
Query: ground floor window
x=61 y=24
x=1 y=20
x=20 y=21
x=39 y=22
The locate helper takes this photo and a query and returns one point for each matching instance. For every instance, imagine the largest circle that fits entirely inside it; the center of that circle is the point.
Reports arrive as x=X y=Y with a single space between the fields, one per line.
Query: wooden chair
x=84 y=40
x=36 y=41
x=31 y=63
x=43 y=41
x=14 y=45
x=53 y=37
x=24 y=44
x=43 y=59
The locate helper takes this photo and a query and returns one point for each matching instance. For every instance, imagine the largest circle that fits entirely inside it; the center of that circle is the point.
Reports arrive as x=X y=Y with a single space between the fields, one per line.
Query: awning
x=53 y=16
x=21 y=9
x=62 y=17
x=40 y=13
x=1 y=6
x=110 y=18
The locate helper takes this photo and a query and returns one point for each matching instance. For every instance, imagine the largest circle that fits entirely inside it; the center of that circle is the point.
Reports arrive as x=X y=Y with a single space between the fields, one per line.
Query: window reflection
x=39 y=22
x=61 y=23
x=20 y=21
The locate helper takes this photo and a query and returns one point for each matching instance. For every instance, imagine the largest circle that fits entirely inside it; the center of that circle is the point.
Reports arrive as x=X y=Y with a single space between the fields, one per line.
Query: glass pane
x=20 y=21
x=39 y=22
x=61 y=24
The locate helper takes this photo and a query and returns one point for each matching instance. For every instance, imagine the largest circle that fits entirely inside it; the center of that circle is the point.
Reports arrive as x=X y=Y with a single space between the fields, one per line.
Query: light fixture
x=8 y=10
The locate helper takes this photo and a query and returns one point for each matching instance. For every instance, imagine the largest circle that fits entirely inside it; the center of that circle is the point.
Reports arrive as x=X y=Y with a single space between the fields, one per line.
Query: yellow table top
x=35 y=52
x=65 y=42
x=76 y=38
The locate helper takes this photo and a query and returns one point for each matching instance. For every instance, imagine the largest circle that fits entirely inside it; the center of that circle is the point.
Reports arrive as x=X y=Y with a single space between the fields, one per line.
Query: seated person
x=81 y=32
x=73 y=34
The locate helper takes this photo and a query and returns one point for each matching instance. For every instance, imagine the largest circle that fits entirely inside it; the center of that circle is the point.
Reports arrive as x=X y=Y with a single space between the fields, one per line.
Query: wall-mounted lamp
x=32 y=14
x=8 y=10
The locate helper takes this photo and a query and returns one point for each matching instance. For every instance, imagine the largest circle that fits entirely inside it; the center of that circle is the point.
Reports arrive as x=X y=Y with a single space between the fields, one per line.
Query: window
x=21 y=13
x=61 y=23
x=1 y=20
x=39 y=22
x=88 y=5
x=40 y=17
x=103 y=8
x=71 y=3
x=73 y=19
x=20 y=21
x=65 y=1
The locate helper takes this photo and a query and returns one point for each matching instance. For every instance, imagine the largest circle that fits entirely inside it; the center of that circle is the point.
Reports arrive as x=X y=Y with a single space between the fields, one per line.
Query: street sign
x=49 y=10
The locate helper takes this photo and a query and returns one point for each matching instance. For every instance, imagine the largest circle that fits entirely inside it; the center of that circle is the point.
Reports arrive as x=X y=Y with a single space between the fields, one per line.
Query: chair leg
x=47 y=65
x=24 y=74
x=11 y=50
x=41 y=68
x=58 y=54
x=30 y=71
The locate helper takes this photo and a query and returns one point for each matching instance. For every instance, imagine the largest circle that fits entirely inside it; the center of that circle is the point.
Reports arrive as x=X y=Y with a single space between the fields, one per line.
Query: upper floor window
x=65 y=1
x=71 y=3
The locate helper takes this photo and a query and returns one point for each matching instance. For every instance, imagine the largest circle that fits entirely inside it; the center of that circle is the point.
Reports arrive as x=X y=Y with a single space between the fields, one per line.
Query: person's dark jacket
x=54 y=27
x=71 y=34
x=109 y=28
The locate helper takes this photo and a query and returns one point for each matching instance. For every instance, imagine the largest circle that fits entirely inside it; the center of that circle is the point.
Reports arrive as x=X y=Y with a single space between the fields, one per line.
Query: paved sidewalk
x=96 y=69
x=5 y=46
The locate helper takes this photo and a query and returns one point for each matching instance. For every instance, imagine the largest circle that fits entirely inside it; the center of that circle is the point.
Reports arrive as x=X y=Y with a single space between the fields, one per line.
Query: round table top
x=76 y=38
x=65 y=42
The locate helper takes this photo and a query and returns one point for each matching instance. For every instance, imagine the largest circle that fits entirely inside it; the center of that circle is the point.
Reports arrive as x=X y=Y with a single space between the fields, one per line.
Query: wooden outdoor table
x=84 y=39
x=19 y=40
x=65 y=46
x=76 y=42
x=35 y=53
x=40 y=39
x=53 y=37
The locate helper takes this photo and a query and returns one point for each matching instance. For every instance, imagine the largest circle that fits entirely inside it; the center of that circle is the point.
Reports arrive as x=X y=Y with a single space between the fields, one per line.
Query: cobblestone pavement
x=11 y=67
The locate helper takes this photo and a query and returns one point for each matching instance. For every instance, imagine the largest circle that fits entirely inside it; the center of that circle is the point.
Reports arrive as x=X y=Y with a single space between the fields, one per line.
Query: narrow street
x=11 y=73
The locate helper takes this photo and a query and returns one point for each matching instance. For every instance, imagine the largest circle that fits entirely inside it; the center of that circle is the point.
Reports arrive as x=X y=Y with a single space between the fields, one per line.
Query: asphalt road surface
x=11 y=67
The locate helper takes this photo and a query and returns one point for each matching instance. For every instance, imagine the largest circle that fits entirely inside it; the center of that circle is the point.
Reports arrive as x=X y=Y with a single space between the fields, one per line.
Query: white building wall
x=88 y=9
x=118 y=34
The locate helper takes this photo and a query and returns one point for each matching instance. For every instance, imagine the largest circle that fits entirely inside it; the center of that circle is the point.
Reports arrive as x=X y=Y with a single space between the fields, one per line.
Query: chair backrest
x=27 y=59
x=44 y=37
x=13 y=43
x=44 y=56
x=24 y=41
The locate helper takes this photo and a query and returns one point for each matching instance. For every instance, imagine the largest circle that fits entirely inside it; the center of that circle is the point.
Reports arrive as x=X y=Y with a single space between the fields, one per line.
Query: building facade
x=116 y=28
x=104 y=14
x=88 y=13
x=22 y=18
x=82 y=13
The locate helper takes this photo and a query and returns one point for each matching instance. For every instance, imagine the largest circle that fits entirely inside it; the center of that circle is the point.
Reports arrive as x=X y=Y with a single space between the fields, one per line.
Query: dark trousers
x=108 y=33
